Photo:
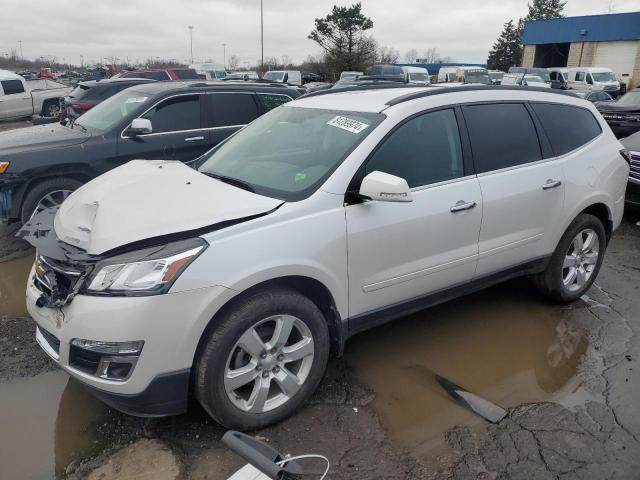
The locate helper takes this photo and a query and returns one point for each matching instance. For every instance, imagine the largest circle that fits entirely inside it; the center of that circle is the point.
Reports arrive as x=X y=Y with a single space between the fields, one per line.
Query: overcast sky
x=139 y=29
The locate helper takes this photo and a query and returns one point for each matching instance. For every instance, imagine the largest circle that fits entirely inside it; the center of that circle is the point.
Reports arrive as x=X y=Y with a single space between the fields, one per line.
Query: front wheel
x=576 y=261
x=263 y=360
x=46 y=194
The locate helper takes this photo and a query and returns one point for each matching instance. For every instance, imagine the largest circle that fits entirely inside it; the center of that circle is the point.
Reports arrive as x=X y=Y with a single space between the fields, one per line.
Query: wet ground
x=567 y=376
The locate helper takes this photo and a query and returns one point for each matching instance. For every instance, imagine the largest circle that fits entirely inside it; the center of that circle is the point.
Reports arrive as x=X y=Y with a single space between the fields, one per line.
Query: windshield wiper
x=231 y=181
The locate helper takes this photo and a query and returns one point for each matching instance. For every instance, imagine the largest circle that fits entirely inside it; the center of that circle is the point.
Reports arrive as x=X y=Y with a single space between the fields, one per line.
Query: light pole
x=261 y=38
x=81 y=61
x=191 y=41
x=21 y=55
x=224 y=55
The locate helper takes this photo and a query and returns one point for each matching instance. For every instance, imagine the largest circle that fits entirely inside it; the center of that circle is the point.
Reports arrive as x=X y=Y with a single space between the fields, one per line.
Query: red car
x=161 y=74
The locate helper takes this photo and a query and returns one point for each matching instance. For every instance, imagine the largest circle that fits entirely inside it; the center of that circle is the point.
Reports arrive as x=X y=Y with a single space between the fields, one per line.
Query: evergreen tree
x=545 y=10
x=506 y=51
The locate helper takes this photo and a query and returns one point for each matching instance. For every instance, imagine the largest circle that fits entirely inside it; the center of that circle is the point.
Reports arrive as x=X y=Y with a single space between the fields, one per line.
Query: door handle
x=551 y=184
x=194 y=139
x=461 y=205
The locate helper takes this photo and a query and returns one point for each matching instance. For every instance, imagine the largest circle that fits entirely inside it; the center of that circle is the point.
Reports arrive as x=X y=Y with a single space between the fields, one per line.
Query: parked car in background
x=473 y=75
x=160 y=74
x=540 y=72
x=382 y=69
x=350 y=74
x=632 y=144
x=324 y=218
x=416 y=75
x=623 y=115
x=317 y=86
x=157 y=120
x=211 y=71
x=524 y=79
x=21 y=98
x=558 y=77
x=496 y=76
x=243 y=76
x=292 y=77
x=88 y=94
x=593 y=78
x=310 y=77
x=447 y=74
x=597 y=96
x=46 y=73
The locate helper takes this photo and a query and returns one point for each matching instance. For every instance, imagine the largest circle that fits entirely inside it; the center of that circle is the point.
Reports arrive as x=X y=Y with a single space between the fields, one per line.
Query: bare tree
x=433 y=56
x=387 y=55
x=233 y=62
x=410 y=56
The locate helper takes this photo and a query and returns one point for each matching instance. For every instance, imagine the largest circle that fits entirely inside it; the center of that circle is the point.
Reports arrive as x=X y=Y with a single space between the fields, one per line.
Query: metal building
x=611 y=41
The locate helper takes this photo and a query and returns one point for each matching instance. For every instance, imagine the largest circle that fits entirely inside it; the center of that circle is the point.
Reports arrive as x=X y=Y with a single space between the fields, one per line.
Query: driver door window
x=175 y=114
x=423 y=151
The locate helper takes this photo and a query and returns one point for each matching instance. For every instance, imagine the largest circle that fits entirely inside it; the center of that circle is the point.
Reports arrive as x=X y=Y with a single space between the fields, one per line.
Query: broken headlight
x=145 y=272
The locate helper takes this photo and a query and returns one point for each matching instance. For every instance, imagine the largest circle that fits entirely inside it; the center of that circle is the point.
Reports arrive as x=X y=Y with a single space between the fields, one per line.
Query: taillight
x=626 y=154
x=81 y=106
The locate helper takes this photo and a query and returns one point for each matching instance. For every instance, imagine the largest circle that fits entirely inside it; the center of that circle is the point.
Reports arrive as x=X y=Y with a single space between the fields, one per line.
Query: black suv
x=88 y=94
x=158 y=120
x=623 y=115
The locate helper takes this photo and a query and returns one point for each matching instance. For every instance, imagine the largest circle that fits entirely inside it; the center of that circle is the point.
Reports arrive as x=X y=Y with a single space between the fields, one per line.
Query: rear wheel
x=576 y=261
x=46 y=194
x=263 y=360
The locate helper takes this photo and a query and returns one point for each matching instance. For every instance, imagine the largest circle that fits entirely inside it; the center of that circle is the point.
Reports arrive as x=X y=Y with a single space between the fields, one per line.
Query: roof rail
x=366 y=86
x=469 y=88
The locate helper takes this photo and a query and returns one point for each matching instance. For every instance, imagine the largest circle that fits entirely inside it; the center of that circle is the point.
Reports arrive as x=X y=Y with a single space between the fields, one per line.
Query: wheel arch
x=602 y=212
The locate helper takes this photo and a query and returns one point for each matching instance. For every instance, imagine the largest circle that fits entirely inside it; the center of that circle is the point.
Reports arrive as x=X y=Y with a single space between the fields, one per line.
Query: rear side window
x=186 y=74
x=233 y=108
x=272 y=101
x=502 y=135
x=11 y=87
x=567 y=127
x=424 y=150
x=580 y=76
x=175 y=114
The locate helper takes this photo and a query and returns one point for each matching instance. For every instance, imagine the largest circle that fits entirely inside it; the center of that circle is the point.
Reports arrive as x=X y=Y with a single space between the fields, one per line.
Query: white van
x=416 y=75
x=559 y=77
x=447 y=74
x=211 y=71
x=473 y=75
x=292 y=77
x=593 y=78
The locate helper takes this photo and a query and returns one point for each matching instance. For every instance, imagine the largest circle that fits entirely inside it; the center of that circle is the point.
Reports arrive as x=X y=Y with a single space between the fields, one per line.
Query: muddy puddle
x=13 y=283
x=503 y=344
x=48 y=421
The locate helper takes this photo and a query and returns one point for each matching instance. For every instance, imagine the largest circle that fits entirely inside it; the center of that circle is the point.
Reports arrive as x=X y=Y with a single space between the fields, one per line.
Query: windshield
x=418 y=77
x=603 y=77
x=274 y=76
x=631 y=98
x=477 y=77
x=287 y=152
x=112 y=111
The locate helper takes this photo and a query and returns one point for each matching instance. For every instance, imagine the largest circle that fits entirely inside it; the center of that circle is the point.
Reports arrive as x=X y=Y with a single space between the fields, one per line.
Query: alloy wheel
x=269 y=364
x=51 y=199
x=580 y=260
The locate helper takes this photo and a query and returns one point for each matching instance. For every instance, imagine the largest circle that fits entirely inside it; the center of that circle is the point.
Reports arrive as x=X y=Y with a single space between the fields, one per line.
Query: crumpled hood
x=39 y=137
x=144 y=199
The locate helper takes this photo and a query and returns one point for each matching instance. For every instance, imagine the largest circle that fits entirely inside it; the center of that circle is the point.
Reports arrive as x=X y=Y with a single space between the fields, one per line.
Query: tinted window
x=12 y=86
x=566 y=127
x=233 y=108
x=424 y=150
x=502 y=135
x=176 y=113
x=272 y=101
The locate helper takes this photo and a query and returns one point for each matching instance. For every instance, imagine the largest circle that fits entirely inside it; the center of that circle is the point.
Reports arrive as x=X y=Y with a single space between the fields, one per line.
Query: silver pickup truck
x=23 y=98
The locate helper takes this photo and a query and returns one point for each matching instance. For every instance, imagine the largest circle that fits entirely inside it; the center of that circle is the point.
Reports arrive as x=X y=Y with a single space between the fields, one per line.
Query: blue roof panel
x=592 y=28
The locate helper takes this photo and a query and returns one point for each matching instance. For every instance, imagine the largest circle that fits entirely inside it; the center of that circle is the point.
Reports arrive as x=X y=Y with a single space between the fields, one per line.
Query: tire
x=553 y=281
x=51 y=108
x=221 y=355
x=59 y=187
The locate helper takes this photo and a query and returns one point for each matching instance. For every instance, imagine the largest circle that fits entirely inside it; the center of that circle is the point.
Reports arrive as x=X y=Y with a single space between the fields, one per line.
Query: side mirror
x=385 y=187
x=140 y=126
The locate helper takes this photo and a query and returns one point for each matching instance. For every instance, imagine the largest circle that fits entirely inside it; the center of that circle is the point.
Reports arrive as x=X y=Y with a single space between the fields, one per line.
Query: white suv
x=327 y=216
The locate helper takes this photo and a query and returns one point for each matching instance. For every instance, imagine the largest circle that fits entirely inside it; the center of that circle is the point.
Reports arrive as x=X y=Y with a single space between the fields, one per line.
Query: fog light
x=109 y=348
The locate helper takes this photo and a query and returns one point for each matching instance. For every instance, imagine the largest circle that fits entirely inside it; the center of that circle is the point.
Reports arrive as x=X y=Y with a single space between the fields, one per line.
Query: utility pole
x=191 y=41
x=261 y=38
x=21 y=55
x=81 y=61
x=224 y=55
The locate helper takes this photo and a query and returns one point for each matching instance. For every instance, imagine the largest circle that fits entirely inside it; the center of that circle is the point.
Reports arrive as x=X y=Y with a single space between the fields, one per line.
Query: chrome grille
x=635 y=166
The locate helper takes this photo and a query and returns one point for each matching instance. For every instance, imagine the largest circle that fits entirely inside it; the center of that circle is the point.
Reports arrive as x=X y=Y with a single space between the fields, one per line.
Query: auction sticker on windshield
x=348 y=124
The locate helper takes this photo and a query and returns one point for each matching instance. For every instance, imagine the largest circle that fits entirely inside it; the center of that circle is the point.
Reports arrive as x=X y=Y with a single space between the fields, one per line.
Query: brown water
x=48 y=421
x=504 y=345
x=13 y=284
